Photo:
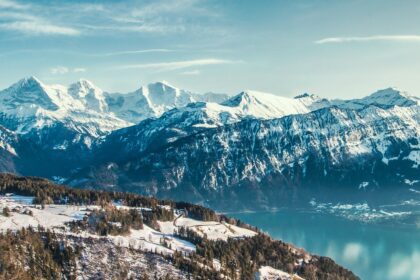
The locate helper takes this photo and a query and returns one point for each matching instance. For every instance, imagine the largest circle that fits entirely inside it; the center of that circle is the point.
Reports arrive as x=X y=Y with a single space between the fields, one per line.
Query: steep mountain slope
x=53 y=124
x=186 y=148
x=329 y=147
x=90 y=95
x=59 y=124
x=184 y=121
x=153 y=100
x=384 y=98
x=264 y=105
x=8 y=155
x=313 y=102
x=31 y=105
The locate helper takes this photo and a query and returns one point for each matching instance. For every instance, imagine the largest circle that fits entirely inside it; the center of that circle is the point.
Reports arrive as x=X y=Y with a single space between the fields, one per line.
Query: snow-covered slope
x=327 y=147
x=153 y=100
x=180 y=122
x=8 y=154
x=8 y=140
x=265 y=105
x=384 y=98
x=31 y=105
x=117 y=140
x=89 y=95
x=313 y=102
x=177 y=248
x=54 y=123
x=249 y=104
x=269 y=273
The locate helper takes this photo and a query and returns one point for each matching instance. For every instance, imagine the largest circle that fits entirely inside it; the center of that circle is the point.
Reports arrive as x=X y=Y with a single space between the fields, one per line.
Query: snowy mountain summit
x=30 y=104
x=89 y=95
x=265 y=105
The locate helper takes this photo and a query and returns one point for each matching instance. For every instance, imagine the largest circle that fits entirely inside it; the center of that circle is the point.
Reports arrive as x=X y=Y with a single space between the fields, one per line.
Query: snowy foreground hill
x=253 y=149
x=52 y=232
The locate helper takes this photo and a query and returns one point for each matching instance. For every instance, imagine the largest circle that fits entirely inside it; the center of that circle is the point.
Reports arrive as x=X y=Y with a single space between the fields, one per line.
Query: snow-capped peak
x=160 y=88
x=30 y=79
x=265 y=105
x=390 y=96
x=30 y=104
x=161 y=96
x=384 y=98
x=313 y=101
x=153 y=100
x=90 y=95
x=29 y=91
x=83 y=83
x=27 y=82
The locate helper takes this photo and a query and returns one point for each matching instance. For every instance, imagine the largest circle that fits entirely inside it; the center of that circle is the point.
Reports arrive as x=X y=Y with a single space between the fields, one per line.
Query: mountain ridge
x=209 y=150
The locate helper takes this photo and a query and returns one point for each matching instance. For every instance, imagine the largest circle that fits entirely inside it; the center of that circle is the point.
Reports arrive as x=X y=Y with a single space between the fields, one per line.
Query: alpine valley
x=253 y=150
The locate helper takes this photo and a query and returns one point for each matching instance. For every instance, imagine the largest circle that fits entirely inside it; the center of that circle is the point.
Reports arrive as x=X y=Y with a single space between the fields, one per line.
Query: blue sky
x=331 y=48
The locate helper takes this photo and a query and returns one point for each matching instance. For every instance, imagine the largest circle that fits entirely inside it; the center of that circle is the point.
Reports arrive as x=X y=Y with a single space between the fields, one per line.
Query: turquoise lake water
x=385 y=250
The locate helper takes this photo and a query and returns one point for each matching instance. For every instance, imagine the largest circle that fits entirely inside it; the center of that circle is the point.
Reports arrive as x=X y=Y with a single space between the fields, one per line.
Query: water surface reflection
x=373 y=251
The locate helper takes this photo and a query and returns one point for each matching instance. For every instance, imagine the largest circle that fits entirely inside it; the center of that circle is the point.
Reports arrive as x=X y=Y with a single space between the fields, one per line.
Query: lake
x=372 y=250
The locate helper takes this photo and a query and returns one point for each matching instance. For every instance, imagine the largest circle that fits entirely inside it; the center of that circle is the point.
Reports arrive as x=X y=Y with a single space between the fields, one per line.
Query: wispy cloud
x=384 y=38
x=168 y=7
x=22 y=18
x=151 y=27
x=76 y=53
x=175 y=65
x=7 y=4
x=134 y=52
x=159 y=17
x=167 y=16
x=79 y=70
x=37 y=27
x=191 y=73
x=61 y=70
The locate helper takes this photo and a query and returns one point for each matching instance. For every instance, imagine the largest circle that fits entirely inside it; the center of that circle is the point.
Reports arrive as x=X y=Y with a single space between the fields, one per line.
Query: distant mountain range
x=252 y=148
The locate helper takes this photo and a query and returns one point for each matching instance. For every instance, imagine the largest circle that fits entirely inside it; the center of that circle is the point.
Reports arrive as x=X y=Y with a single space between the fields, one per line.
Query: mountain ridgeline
x=252 y=150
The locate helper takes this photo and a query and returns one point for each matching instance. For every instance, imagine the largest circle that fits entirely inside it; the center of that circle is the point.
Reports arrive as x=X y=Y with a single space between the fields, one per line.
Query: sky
x=335 y=49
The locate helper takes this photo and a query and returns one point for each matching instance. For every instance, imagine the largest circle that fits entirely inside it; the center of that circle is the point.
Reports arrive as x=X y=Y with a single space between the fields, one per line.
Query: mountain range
x=250 y=149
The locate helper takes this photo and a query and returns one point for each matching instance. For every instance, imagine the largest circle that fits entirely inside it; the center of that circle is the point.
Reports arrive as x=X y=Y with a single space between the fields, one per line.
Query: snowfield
x=269 y=273
x=52 y=216
x=154 y=244
x=23 y=214
x=213 y=230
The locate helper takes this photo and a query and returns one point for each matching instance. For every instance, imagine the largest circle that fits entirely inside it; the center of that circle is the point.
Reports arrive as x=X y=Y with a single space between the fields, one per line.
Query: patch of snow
x=269 y=273
x=411 y=182
x=214 y=230
x=52 y=216
x=359 y=211
x=363 y=185
x=414 y=156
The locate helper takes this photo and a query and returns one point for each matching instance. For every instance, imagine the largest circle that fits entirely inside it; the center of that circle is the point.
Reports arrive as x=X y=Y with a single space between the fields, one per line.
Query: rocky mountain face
x=250 y=148
x=270 y=159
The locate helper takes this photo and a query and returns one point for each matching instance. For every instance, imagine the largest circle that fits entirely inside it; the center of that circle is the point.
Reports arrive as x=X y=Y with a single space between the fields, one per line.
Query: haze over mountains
x=165 y=141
